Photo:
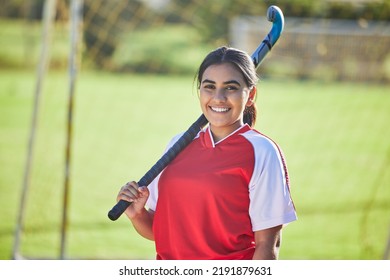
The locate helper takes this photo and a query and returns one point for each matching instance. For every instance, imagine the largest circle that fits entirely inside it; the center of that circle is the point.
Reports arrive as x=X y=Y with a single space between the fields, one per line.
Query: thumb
x=144 y=191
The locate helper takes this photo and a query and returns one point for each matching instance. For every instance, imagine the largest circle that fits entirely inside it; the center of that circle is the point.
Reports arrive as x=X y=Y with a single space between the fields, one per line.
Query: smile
x=219 y=110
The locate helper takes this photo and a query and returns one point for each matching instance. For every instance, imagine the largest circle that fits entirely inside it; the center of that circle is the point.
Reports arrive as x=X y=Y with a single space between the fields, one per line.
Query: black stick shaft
x=159 y=166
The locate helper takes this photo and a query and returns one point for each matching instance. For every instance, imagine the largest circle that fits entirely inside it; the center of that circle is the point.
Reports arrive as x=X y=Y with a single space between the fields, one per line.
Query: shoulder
x=261 y=141
x=175 y=138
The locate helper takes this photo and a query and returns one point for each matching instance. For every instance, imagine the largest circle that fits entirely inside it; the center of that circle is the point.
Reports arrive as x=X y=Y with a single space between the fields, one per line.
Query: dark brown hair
x=243 y=62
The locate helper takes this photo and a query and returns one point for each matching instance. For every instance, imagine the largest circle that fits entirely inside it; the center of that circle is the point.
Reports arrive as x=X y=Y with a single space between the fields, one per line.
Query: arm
x=143 y=223
x=267 y=243
x=141 y=218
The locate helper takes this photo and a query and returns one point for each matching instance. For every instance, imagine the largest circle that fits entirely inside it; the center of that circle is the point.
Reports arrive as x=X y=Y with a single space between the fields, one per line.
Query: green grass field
x=334 y=135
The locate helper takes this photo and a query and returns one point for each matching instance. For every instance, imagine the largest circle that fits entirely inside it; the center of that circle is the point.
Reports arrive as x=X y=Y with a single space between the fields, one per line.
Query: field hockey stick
x=274 y=15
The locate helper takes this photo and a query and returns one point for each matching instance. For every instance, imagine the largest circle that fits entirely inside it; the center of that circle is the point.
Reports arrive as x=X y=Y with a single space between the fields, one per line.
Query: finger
x=126 y=196
x=133 y=184
x=143 y=190
x=131 y=188
x=129 y=192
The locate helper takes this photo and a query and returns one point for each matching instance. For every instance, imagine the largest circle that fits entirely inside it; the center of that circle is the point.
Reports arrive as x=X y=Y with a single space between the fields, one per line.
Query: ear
x=252 y=97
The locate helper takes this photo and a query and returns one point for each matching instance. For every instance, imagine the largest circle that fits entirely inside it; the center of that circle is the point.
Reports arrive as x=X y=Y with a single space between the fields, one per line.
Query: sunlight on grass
x=333 y=136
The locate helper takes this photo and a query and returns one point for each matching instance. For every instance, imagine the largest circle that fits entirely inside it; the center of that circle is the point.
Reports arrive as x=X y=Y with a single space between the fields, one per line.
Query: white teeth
x=220 y=110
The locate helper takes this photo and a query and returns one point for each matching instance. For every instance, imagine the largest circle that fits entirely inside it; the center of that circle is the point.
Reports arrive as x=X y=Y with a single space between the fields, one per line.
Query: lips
x=219 y=109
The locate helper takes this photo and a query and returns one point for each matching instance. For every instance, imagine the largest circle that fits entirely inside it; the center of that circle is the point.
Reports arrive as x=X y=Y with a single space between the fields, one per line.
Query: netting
x=169 y=36
x=326 y=49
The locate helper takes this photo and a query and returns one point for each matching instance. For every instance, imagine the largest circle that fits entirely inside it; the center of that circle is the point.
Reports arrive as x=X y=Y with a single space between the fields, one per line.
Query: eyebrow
x=225 y=83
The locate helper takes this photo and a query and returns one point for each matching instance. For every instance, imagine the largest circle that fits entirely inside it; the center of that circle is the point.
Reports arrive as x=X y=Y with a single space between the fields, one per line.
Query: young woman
x=226 y=195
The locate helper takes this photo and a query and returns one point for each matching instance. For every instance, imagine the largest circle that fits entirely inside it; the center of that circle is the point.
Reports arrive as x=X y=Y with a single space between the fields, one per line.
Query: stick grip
x=159 y=166
x=118 y=209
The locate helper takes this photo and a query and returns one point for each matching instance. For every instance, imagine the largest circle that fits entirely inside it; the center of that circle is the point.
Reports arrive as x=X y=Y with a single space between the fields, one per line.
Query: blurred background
x=92 y=91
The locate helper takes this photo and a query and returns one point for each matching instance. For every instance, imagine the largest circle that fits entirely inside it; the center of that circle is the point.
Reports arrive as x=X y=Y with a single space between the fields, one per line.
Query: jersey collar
x=208 y=137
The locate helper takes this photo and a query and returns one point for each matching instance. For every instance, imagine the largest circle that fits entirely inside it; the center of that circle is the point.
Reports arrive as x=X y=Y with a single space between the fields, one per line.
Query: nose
x=220 y=95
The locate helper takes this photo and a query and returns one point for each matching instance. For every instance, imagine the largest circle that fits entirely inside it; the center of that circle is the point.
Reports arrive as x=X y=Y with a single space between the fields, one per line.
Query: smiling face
x=224 y=95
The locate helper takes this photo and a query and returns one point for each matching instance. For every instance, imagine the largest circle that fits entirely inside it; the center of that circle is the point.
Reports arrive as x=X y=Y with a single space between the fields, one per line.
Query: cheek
x=203 y=97
x=245 y=98
x=239 y=100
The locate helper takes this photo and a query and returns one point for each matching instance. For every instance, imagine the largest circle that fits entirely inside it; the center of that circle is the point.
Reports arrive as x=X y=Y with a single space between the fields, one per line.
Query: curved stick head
x=275 y=15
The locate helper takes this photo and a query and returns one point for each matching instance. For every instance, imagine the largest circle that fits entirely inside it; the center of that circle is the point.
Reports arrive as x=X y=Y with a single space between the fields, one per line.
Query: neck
x=220 y=133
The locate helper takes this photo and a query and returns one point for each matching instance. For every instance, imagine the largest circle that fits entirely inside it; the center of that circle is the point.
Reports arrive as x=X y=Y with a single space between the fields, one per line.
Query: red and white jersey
x=212 y=197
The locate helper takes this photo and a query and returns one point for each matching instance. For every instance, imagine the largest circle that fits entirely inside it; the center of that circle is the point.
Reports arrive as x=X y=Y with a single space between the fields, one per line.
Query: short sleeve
x=270 y=199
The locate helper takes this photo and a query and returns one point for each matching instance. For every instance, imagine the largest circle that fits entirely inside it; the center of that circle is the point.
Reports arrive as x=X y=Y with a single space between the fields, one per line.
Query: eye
x=209 y=86
x=231 y=87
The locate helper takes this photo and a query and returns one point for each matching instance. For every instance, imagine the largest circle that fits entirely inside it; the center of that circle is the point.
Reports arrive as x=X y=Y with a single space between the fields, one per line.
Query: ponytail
x=250 y=114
